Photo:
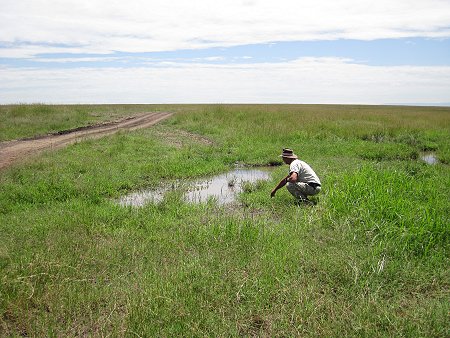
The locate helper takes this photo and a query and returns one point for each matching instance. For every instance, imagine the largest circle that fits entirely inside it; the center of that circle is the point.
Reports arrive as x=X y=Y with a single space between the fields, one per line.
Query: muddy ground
x=16 y=150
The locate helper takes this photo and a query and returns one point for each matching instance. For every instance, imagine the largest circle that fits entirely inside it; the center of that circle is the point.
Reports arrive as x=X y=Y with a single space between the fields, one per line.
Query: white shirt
x=304 y=172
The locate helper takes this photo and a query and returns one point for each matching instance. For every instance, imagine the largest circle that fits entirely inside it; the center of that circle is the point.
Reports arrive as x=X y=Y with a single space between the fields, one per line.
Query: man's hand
x=272 y=194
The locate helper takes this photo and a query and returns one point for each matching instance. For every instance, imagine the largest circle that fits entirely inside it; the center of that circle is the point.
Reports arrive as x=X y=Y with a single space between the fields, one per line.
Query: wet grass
x=369 y=259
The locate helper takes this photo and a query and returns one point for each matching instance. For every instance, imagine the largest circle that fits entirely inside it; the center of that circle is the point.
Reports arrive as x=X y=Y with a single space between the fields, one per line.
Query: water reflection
x=429 y=158
x=223 y=188
x=140 y=198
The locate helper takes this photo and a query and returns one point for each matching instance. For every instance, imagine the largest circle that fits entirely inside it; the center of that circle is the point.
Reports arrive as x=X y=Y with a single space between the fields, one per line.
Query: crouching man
x=302 y=181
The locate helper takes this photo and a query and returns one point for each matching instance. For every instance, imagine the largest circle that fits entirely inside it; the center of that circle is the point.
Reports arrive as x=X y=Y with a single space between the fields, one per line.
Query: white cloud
x=102 y=26
x=210 y=59
x=307 y=80
x=30 y=27
x=80 y=59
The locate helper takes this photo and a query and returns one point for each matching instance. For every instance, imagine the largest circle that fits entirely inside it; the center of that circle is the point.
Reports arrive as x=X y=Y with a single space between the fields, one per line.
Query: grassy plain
x=370 y=259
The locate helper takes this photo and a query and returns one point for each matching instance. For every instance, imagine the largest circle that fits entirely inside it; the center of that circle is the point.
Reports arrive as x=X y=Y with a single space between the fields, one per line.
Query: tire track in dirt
x=14 y=151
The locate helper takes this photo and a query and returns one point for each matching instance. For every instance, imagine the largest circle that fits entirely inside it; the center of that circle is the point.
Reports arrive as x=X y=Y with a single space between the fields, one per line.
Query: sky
x=234 y=51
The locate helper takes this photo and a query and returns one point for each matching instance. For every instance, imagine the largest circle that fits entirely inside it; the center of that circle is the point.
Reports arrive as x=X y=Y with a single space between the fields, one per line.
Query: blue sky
x=237 y=51
x=383 y=52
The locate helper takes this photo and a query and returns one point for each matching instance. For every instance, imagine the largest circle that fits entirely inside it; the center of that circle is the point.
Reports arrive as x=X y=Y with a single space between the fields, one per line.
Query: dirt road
x=13 y=151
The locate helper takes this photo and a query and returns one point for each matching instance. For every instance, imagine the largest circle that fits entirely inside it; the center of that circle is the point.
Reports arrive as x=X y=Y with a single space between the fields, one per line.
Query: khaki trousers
x=301 y=190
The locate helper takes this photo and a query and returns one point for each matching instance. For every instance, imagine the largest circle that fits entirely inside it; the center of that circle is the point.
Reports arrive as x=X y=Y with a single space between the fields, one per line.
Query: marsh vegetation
x=369 y=259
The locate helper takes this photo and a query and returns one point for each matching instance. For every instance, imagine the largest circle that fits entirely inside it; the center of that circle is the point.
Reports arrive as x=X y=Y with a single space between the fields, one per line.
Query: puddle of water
x=140 y=198
x=223 y=188
x=429 y=158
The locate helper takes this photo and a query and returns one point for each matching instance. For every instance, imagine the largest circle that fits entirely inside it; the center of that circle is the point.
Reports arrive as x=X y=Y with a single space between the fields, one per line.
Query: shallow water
x=223 y=188
x=429 y=158
x=140 y=198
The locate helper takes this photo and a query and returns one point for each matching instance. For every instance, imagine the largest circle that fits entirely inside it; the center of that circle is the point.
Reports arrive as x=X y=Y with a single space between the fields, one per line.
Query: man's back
x=304 y=171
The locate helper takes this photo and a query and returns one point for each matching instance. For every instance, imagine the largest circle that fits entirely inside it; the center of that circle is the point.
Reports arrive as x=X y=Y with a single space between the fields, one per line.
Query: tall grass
x=369 y=259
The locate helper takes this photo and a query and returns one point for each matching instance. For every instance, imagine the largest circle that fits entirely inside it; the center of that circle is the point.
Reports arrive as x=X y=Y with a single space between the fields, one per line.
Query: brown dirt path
x=13 y=151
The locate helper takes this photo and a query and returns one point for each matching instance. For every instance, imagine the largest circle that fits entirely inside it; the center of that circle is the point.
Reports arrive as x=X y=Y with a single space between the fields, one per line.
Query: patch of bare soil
x=178 y=138
x=13 y=151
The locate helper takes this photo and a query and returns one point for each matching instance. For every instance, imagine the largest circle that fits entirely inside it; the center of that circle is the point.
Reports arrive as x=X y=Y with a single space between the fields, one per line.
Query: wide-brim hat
x=288 y=153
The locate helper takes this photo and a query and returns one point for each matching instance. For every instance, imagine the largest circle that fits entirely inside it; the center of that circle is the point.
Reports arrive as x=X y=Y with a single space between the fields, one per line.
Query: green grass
x=29 y=120
x=369 y=259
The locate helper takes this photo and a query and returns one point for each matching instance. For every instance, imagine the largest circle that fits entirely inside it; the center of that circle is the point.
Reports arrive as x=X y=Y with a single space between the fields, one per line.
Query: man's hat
x=288 y=153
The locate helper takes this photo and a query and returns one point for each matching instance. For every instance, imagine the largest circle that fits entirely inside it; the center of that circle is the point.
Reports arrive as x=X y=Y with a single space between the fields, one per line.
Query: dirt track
x=12 y=151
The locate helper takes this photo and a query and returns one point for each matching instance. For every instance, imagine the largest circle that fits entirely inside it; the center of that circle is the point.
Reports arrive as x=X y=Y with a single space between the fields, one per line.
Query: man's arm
x=280 y=185
x=292 y=177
